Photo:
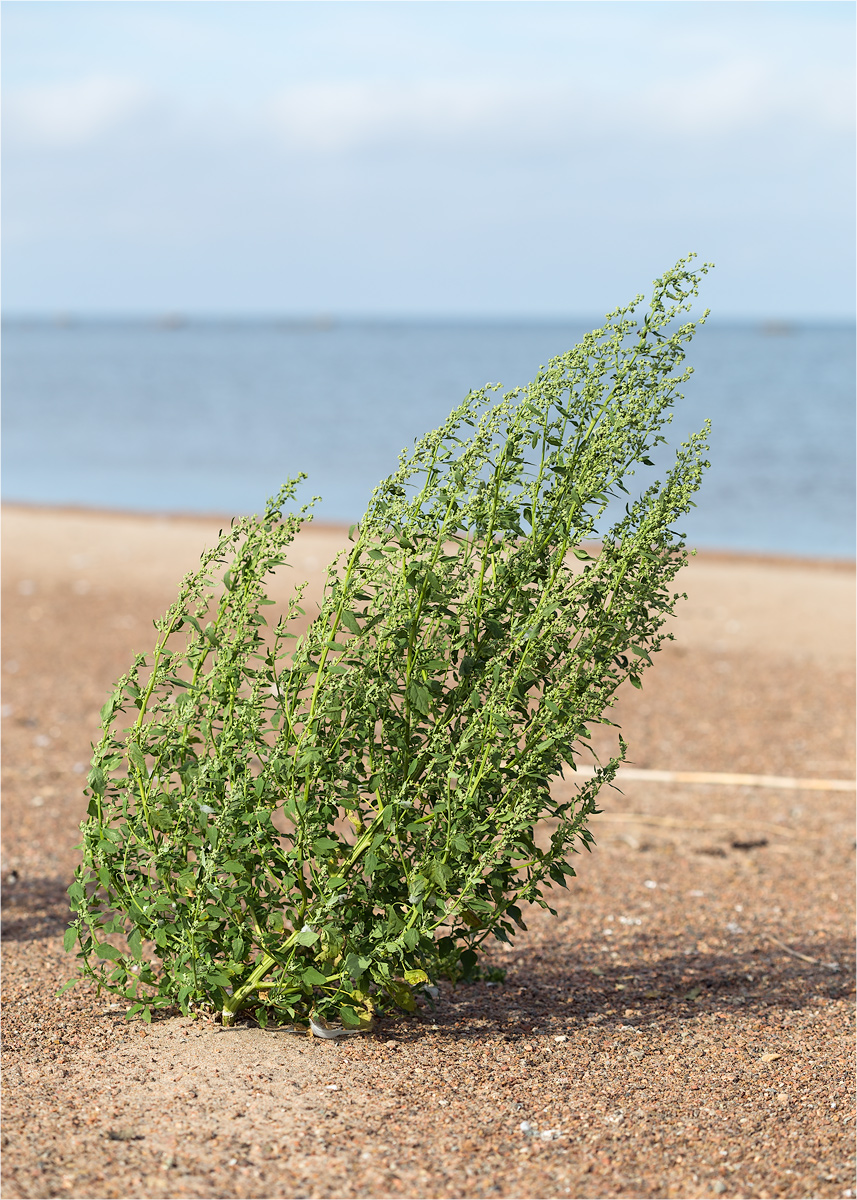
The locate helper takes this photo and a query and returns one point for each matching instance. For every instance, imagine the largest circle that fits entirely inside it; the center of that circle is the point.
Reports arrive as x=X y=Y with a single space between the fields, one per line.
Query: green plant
x=323 y=826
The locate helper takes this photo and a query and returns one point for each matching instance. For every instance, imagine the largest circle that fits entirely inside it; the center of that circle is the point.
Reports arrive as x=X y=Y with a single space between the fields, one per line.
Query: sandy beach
x=682 y=1028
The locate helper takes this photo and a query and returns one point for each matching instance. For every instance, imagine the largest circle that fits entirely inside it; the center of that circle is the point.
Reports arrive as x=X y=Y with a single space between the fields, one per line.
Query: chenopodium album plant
x=315 y=825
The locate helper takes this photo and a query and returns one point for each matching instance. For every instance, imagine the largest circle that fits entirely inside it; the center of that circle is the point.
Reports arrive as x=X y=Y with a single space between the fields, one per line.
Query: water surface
x=211 y=416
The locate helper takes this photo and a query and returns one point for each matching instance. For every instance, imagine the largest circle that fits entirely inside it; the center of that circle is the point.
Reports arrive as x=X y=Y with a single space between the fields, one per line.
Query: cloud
x=72 y=114
x=723 y=99
x=347 y=115
x=749 y=93
x=733 y=94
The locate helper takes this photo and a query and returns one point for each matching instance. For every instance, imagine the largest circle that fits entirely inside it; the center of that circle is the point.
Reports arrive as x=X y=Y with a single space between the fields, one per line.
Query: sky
x=496 y=158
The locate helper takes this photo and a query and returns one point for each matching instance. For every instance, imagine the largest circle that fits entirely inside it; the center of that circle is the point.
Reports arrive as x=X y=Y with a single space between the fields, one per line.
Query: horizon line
x=176 y=318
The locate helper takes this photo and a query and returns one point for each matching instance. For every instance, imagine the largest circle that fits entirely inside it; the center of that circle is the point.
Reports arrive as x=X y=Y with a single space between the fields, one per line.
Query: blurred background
x=247 y=240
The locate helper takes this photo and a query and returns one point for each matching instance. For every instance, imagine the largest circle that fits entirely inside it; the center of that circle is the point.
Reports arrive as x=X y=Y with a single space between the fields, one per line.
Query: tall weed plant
x=316 y=825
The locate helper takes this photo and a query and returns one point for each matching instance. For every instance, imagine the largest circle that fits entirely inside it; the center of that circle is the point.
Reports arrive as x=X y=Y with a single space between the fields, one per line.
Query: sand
x=682 y=1028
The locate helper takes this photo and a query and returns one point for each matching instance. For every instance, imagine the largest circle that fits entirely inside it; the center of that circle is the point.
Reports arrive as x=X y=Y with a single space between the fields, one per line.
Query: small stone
x=392 y=1043
x=124 y=1135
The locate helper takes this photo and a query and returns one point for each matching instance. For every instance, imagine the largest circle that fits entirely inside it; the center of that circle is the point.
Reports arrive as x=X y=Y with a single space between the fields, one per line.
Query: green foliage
x=325 y=823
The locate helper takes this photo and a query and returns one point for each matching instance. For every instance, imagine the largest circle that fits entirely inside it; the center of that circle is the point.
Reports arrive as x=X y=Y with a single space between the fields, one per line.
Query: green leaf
x=313 y=977
x=349 y=620
x=105 y=950
x=97 y=781
x=419 y=697
x=137 y=758
x=356 y=964
x=219 y=978
x=349 y=1018
x=322 y=845
x=440 y=872
x=69 y=940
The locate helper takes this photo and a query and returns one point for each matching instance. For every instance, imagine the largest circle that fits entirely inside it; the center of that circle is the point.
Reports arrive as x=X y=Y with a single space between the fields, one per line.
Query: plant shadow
x=547 y=998
x=34 y=907
x=545 y=994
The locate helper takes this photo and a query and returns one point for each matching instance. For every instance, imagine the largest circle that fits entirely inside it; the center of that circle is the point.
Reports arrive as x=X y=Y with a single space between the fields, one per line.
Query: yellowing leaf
x=401 y=993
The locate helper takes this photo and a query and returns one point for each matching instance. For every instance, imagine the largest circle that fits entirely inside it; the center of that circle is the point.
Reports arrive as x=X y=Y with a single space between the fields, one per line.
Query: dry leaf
x=770 y=1057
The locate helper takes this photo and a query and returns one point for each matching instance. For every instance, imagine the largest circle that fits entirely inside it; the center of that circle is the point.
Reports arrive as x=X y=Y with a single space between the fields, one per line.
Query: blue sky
x=512 y=158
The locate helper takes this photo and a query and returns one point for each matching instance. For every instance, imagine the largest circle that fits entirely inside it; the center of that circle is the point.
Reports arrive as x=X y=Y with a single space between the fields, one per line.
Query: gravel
x=682 y=1027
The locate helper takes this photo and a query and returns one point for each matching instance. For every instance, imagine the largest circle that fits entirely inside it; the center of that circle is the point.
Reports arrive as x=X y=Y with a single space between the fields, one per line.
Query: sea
x=193 y=415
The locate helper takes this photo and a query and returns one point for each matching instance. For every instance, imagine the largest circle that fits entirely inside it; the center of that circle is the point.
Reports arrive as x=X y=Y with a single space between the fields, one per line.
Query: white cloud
x=736 y=92
x=749 y=93
x=71 y=114
x=722 y=99
x=340 y=116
